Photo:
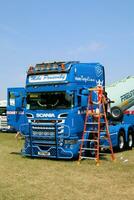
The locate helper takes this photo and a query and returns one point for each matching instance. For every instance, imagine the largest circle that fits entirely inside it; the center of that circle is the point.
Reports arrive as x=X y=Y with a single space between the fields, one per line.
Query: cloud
x=93 y=47
x=8 y=29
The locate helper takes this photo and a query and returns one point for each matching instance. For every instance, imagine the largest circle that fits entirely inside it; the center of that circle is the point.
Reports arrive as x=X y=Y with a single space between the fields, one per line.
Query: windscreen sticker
x=83 y=78
x=47 y=78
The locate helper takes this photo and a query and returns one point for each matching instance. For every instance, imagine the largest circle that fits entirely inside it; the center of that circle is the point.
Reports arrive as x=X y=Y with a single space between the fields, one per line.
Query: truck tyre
x=121 y=141
x=130 y=139
x=116 y=113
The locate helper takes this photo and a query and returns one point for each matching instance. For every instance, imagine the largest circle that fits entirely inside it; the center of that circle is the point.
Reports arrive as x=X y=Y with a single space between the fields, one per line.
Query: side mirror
x=68 y=95
x=84 y=100
x=16 y=94
x=18 y=102
x=85 y=92
x=69 y=92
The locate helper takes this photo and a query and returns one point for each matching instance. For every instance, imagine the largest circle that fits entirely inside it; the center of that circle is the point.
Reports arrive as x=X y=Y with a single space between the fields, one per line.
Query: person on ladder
x=107 y=104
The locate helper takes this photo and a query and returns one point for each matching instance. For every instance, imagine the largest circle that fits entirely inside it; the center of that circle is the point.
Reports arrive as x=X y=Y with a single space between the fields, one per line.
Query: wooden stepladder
x=95 y=123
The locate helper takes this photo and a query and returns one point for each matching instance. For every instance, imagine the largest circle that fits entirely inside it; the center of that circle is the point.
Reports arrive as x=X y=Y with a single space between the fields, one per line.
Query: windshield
x=49 y=100
x=2 y=110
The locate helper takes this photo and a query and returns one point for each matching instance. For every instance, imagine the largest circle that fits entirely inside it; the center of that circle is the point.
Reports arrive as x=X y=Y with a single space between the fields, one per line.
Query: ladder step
x=90 y=149
x=101 y=153
x=96 y=131
x=104 y=138
x=96 y=115
x=104 y=147
x=90 y=158
x=93 y=140
x=92 y=123
x=90 y=140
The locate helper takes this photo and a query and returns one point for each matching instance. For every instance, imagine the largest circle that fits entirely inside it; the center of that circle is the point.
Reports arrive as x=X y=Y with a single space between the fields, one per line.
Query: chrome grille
x=4 y=123
x=46 y=127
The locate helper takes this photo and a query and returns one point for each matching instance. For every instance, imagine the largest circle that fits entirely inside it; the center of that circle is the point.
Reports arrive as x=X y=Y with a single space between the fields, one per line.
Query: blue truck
x=50 y=110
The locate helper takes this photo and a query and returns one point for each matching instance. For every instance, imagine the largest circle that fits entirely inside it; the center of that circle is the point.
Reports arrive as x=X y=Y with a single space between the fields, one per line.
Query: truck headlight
x=61 y=142
x=70 y=142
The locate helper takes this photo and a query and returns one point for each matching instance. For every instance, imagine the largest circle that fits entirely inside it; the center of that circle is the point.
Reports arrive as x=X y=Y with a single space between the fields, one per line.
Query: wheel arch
x=122 y=130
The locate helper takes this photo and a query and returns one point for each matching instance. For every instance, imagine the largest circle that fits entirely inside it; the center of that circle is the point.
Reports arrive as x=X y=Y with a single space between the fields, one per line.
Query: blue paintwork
x=65 y=125
x=117 y=127
x=16 y=115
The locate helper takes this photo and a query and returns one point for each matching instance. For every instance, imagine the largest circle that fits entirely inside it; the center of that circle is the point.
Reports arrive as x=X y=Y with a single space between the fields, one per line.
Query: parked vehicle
x=4 y=127
x=50 y=110
x=122 y=112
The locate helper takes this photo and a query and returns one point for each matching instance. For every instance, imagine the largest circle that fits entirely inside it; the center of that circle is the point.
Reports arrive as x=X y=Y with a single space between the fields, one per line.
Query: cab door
x=16 y=104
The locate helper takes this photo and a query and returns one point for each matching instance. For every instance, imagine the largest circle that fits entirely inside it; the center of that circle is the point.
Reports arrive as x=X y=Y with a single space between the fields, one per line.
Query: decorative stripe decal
x=130 y=112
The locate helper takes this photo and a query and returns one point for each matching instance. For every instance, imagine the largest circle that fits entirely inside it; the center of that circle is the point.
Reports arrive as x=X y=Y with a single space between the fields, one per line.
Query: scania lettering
x=45 y=115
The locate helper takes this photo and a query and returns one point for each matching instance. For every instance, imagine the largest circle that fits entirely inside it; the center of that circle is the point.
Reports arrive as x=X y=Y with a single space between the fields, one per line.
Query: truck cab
x=50 y=110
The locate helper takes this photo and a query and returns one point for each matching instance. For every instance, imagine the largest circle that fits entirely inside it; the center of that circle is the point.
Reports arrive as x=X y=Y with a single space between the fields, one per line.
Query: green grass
x=37 y=179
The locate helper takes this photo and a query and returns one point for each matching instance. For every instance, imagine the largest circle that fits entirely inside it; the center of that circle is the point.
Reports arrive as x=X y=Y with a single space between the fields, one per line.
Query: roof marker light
x=30 y=70
x=48 y=66
x=55 y=66
x=63 y=66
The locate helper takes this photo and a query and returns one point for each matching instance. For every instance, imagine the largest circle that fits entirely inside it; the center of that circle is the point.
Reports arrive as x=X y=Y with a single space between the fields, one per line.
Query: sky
x=36 y=31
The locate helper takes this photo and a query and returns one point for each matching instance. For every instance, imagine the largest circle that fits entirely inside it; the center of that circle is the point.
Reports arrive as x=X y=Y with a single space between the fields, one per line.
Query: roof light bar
x=50 y=67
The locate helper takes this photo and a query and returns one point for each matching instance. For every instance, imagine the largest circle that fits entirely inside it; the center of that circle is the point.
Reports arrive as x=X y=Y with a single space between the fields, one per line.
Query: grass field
x=41 y=179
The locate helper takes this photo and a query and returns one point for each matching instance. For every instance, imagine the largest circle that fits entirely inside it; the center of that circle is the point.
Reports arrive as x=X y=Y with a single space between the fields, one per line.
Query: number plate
x=44 y=153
